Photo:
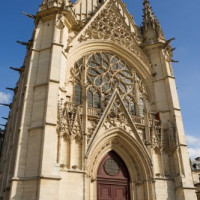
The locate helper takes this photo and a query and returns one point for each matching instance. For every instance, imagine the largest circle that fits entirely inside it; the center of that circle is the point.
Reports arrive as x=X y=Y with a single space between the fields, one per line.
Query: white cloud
x=194 y=152
x=193 y=146
x=5 y=98
x=193 y=141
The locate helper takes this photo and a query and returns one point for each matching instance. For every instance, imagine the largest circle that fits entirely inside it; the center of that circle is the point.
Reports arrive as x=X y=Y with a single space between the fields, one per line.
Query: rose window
x=102 y=73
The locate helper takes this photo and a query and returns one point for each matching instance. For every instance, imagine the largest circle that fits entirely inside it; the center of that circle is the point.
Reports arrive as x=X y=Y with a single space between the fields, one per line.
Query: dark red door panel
x=112 y=179
x=104 y=192
x=119 y=192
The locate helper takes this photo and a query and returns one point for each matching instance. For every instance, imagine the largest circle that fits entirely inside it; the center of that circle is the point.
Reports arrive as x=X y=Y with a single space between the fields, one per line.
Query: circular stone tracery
x=105 y=72
x=111 y=167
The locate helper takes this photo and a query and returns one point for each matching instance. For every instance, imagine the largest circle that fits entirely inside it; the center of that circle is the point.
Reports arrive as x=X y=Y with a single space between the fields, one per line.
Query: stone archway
x=113 y=178
x=134 y=156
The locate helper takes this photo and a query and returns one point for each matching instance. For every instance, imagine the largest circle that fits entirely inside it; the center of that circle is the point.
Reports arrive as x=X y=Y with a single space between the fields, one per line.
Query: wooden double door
x=112 y=179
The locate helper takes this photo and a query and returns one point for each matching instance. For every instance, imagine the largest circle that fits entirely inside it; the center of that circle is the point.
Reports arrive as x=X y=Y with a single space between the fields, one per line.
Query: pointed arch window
x=94 y=98
x=77 y=94
x=90 y=98
x=132 y=108
x=130 y=105
x=141 y=107
x=103 y=73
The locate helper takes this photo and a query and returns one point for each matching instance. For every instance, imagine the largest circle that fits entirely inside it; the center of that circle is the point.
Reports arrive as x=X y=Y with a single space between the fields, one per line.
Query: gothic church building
x=95 y=114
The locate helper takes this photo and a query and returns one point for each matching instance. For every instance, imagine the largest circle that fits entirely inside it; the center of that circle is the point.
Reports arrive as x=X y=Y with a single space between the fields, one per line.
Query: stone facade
x=94 y=82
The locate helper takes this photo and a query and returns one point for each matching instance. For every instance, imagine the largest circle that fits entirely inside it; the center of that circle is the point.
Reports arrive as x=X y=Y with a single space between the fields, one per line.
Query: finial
x=59 y=3
x=148 y=16
x=146 y=1
x=44 y=1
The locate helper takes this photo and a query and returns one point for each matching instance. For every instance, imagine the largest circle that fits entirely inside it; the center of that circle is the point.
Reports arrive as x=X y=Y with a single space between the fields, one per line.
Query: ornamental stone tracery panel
x=102 y=74
x=94 y=78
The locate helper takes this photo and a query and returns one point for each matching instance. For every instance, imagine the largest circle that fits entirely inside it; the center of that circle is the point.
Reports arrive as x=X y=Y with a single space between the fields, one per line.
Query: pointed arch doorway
x=113 y=179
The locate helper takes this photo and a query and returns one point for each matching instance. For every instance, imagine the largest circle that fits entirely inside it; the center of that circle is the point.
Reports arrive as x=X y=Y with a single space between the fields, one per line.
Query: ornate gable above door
x=116 y=116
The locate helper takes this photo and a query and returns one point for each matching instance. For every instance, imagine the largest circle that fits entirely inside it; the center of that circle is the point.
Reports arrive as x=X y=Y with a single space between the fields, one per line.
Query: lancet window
x=101 y=74
x=94 y=98
x=77 y=94
x=141 y=107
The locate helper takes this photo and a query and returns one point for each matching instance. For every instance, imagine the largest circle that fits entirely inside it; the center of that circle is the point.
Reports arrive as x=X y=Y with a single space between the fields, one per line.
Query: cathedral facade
x=95 y=115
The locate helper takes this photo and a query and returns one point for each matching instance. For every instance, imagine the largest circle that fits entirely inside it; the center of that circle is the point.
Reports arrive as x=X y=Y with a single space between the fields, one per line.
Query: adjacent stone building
x=196 y=175
x=95 y=115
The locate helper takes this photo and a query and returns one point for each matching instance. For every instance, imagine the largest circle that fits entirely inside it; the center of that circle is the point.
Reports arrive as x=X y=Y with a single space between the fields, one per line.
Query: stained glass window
x=107 y=72
x=90 y=98
x=78 y=94
x=94 y=98
x=104 y=73
x=141 y=107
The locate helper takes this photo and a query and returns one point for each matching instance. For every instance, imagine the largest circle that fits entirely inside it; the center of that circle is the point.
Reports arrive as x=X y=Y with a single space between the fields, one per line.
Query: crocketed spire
x=151 y=24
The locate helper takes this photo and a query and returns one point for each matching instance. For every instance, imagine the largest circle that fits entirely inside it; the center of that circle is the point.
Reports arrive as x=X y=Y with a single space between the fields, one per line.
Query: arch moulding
x=89 y=47
x=137 y=162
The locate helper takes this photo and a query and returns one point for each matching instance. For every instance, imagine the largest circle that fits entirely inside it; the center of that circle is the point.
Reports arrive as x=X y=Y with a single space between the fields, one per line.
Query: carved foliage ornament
x=165 y=138
x=156 y=134
x=70 y=122
x=117 y=117
x=59 y=22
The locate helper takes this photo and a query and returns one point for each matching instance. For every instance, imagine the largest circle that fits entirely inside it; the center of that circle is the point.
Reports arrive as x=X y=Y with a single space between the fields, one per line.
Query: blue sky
x=178 y=18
